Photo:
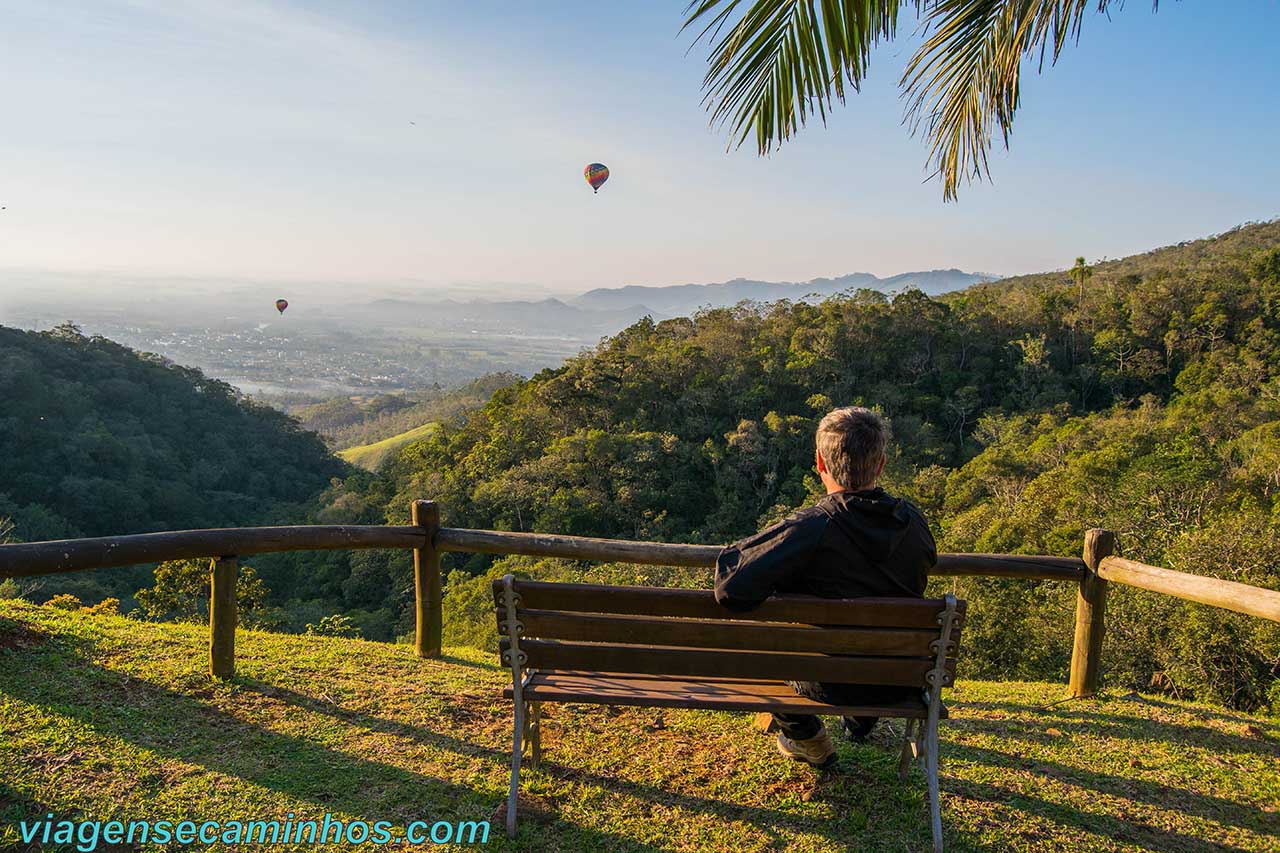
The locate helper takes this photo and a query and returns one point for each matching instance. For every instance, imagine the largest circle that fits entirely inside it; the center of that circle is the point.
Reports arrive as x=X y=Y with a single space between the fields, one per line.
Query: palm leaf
x=963 y=84
x=776 y=63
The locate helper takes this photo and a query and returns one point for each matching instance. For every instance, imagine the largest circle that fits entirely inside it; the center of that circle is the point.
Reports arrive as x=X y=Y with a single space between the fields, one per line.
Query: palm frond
x=963 y=84
x=779 y=62
x=776 y=63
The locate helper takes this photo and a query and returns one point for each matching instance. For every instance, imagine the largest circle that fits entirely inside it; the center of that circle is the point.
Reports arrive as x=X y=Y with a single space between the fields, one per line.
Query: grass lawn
x=108 y=718
x=370 y=456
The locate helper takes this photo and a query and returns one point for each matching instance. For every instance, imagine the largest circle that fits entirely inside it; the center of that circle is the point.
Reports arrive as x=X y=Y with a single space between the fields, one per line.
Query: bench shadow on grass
x=1149 y=837
x=770 y=821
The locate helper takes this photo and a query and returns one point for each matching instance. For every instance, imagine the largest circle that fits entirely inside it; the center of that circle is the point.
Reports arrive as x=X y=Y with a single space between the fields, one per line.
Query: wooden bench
x=678 y=648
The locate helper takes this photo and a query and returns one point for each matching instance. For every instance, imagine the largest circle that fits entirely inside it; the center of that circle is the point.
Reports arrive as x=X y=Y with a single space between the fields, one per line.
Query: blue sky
x=442 y=143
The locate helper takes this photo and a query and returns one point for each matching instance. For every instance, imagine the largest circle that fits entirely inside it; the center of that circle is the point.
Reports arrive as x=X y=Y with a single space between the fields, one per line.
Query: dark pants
x=805 y=726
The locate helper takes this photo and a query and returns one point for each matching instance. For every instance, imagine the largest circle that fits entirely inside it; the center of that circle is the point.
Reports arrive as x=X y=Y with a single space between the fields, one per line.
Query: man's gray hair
x=851 y=442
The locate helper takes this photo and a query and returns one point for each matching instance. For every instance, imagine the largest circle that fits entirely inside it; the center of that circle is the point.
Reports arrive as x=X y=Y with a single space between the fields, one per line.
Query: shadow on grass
x=770 y=821
x=1089 y=824
x=178 y=726
x=471 y=664
x=1206 y=806
x=1086 y=718
x=16 y=807
x=829 y=787
x=1102 y=700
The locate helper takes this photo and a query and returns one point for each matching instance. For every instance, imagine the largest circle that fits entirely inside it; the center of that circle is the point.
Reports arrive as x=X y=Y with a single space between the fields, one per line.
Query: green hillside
x=99 y=439
x=108 y=718
x=370 y=456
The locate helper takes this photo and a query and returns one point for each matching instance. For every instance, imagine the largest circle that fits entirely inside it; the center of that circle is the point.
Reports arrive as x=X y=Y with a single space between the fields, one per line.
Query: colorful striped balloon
x=281 y=304
x=596 y=174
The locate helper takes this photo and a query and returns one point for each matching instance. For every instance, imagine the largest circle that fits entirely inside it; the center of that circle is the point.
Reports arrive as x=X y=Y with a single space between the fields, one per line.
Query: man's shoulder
x=914 y=511
x=804 y=526
x=809 y=513
x=807 y=521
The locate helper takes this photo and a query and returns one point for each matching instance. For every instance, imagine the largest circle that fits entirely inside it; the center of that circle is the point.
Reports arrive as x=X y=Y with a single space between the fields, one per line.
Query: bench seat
x=717 y=694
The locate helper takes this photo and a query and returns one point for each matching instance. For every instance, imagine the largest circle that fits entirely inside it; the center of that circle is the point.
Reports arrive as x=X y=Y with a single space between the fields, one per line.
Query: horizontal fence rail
x=1010 y=566
x=575 y=547
x=27 y=559
x=1229 y=595
x=704 y=556
x=69 y=555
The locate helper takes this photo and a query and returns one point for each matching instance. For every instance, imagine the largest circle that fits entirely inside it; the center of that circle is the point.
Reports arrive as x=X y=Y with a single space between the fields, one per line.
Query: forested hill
x=1023 y=414
x=97 y=439
x=696 y=428
x=1226 y=254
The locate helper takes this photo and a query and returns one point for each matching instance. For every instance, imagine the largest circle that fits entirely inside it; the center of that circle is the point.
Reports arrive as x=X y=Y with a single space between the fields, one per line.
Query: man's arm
x=749 y=571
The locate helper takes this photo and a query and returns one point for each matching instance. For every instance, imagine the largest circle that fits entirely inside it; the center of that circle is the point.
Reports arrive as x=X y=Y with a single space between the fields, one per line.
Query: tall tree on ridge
x=1080 y=273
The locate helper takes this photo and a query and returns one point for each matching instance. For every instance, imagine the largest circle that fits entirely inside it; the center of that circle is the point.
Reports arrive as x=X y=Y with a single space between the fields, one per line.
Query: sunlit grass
x=370 y=456
x=106 y=717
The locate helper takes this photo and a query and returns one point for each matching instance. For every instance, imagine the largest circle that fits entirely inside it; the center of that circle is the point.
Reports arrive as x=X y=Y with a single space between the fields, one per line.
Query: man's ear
x=822 y=466
x=880 y=468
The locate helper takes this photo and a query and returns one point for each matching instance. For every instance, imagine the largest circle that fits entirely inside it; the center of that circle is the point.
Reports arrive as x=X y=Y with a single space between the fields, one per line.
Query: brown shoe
x=817 y=751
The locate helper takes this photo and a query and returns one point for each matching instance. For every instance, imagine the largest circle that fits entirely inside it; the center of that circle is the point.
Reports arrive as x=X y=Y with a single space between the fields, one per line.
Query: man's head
x=851 y=443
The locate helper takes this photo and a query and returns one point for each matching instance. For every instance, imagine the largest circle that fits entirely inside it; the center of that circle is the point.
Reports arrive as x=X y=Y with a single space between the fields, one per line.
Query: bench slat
x=711 y=693
x=701 y=604
x=725 y=634
x=660 y=660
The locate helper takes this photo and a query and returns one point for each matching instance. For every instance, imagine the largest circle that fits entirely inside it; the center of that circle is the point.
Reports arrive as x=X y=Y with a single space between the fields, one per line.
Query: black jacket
x=847 y=545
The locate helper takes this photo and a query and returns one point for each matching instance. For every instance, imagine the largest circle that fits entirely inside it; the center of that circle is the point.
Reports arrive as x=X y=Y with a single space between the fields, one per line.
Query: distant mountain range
x=680 y=299
x=606 y=310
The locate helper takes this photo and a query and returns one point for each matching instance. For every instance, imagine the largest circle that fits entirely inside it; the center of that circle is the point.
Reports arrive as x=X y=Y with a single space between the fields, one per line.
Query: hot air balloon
x=596 y=174
x=282 y=304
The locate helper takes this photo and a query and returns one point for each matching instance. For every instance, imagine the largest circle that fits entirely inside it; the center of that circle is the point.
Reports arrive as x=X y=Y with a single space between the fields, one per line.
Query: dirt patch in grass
x=19 y=636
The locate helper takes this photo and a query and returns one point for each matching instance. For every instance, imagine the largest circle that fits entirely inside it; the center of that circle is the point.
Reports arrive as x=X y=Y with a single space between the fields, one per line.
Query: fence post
x=222 y=616
x=426 y=582
x=1091 y=609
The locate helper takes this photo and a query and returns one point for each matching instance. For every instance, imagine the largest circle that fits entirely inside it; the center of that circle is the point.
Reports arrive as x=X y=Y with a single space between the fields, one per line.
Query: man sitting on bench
x=857 y=541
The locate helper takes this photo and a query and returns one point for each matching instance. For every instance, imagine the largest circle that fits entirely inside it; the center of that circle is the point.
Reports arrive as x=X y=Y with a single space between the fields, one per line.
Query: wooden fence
x=428 y=540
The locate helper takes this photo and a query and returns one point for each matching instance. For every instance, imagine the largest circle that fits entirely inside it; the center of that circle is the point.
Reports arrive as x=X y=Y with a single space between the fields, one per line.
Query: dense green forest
x=96 y=439
x=1023 y=414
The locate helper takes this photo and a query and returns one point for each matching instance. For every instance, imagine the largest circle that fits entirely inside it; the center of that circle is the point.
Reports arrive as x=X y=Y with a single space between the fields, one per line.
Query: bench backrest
x=682 y=632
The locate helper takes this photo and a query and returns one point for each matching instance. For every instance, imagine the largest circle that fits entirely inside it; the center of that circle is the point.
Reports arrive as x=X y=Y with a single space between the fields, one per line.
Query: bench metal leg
x=517 y=747
x=936 y=679
x=931 y=766
x=516 y=659
x=910 y=749
x=535 y=735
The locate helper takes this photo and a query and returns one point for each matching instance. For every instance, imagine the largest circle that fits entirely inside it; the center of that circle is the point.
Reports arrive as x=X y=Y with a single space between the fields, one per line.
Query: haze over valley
x=337 y=339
